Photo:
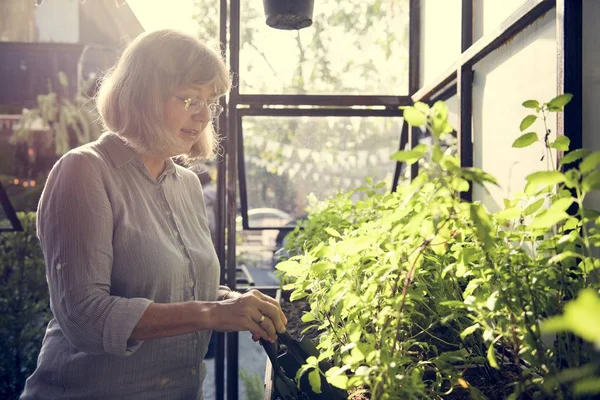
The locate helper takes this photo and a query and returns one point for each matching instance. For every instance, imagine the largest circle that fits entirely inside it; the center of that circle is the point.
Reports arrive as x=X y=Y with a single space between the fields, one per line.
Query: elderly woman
x=133 y=276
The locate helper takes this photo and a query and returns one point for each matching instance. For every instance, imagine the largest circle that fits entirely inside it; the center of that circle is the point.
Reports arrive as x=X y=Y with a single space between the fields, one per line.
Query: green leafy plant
x=71 y=122
x=24 y=305
x=415 y=290
x=253 y=385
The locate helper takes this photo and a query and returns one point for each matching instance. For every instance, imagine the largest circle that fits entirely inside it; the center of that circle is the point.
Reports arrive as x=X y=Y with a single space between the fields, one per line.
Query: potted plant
x=288 y=14
x=419 y=294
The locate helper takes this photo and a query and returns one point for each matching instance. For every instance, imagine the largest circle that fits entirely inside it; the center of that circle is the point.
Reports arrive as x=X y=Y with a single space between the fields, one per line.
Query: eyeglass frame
x=193 y=109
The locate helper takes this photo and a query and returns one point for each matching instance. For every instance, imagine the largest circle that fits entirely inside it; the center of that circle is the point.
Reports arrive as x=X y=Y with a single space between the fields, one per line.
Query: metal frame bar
x=231 y=148
x=221 y=213
x=519 y=20
x=409 y=136
x=569 y=36
x=320 y=112
x=414 y=77
x=322 y=100
x=445 y=94
x=403 y=143
x=10 y=212
x=465 y=95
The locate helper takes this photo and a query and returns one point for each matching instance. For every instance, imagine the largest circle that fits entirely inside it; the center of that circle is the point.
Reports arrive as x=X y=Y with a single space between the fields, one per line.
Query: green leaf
x=525 y=140
x=580 y=317
x=308 y=317
x=561 y=143
x=439 y=118
x=421 y=107
x=478 y=175
x=531 y=104
x=410 y=156
x=321 y=266
x=292 y=268
x=548 y=219
x=508 y=214
x=491 y=354
x=414 y=117
x=587 y=386
x=337 y=377
x=333 y=232
x=544 y=179
x=302 y=370
x=312 y=361
x=327 y=354
x=591 y=182
x=483 y=224
x=560 y=101
x=587 y=265
x=491 y=301
x=573 y=156
x=590 y=162
x=356 y=355
x=527 y=122
x=469 y=330
x=563 y=256
x=561 y=204
x=533 y=207
x=298 y=294
x=453 y=304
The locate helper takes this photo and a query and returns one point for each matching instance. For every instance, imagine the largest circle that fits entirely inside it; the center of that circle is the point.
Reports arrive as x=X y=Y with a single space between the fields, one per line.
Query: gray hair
x=133 y=93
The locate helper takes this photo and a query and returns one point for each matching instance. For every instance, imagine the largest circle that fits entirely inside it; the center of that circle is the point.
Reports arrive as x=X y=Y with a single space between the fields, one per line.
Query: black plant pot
x=289 y=14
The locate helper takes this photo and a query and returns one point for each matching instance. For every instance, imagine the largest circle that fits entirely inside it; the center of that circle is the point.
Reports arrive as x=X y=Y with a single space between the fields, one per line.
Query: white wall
x=440 y=37
x=489 y=14
x=524 y=68
x=58 y=21
x=591 y=83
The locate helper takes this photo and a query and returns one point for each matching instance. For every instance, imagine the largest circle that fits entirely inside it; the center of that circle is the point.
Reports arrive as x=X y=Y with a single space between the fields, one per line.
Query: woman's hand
x=251 y=311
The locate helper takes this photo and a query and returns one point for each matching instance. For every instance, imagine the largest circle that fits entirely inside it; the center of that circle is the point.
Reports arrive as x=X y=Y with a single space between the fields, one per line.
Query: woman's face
x=187 y=115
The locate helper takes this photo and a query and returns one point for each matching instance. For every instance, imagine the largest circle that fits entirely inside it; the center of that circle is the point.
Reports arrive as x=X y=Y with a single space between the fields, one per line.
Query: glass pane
x=354 y=47
x=289 y=158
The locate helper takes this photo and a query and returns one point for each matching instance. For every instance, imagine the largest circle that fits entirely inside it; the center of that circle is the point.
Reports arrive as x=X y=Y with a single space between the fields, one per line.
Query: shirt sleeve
x=75 y=227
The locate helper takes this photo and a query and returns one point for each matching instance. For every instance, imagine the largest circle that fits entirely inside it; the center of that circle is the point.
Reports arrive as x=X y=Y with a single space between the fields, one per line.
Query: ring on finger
x=262 y=318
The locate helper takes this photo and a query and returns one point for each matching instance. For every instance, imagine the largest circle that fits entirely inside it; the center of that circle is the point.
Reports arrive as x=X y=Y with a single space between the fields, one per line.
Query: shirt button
x=193 y=297
x=58 y=266
x=168 y=212
x=194 y=371
x=191 y=283
x=181 y=247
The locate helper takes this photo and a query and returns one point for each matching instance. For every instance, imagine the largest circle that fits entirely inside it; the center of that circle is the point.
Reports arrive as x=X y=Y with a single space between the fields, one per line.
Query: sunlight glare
x=162 y=14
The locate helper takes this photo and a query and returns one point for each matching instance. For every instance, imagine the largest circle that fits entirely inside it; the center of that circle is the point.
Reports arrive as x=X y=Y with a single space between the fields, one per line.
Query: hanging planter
x=288 y=14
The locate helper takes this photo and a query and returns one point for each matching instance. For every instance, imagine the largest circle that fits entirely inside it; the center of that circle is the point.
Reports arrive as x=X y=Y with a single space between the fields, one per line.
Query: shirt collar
x=121 y=153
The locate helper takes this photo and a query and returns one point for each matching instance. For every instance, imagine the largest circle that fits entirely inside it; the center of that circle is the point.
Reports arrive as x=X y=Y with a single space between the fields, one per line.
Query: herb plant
x=414 y=290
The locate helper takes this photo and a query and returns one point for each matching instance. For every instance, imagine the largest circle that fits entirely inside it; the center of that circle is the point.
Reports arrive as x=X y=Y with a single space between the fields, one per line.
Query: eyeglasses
x=194 y=106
